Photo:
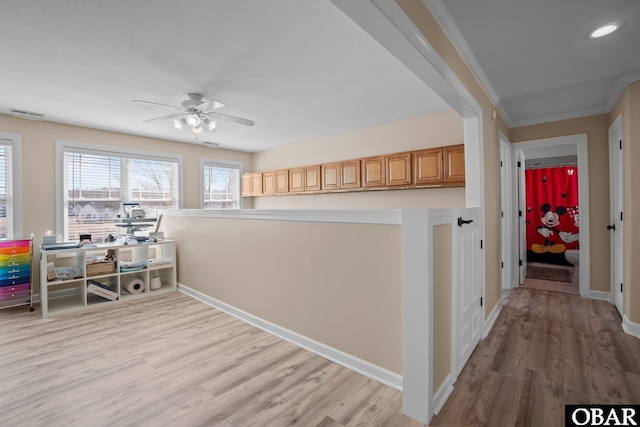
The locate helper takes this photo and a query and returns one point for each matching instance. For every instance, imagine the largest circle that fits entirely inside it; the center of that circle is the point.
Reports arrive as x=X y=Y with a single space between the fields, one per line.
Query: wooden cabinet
x=246 y=185
x=296 y=180
x=312 y=181
x=331 y=176
x=350 y=174
x=454 y=164
x=256 y=184
x=282 y=181
x=373 y=172
x=398 y=169
x=427 y=167
x=268 y=183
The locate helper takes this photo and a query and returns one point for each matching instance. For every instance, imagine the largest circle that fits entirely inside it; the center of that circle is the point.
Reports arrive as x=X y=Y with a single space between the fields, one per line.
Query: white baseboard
x=489 y=322
x=442 y=394
x=605 y=296
x=356 y=364
x=632 y=328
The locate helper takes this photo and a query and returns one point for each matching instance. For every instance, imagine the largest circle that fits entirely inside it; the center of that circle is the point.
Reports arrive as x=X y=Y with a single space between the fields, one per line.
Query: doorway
x=569 y=155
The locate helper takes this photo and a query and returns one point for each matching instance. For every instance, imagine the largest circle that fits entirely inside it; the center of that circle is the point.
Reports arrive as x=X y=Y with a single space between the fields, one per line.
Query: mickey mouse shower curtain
x=552 y=213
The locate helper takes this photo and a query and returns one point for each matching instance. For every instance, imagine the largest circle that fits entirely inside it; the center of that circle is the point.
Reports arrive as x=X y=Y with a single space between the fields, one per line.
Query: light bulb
x=178 y=123
x=198 y=130
x=193 y=120
x=211 y=125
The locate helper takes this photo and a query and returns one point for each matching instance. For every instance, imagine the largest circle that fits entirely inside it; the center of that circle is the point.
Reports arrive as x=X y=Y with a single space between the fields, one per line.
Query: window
x=220 y=184
x=10 y=185
x=95 y=181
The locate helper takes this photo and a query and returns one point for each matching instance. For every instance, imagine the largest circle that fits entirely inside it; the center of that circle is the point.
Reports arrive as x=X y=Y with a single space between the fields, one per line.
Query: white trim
x=631 y=328
x=107 y=150
x=356 y=364
x=616 y=154
x=206 y=161
x=16 y=183
x=604 y=296
x=491 y=320
x=450 y=28
x=383 y=217
x=583 y=196
x=509 y=276
x=625 y=80
x=443 y=393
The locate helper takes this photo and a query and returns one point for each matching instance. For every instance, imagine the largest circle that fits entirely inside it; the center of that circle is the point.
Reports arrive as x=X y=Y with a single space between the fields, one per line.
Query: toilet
x=573 y=257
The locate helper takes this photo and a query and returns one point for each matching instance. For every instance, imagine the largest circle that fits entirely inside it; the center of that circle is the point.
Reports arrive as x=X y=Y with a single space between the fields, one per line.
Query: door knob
x=611 y=227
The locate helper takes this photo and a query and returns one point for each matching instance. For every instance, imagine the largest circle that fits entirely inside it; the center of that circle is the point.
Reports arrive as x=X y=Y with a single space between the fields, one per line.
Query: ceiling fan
x=196 y=113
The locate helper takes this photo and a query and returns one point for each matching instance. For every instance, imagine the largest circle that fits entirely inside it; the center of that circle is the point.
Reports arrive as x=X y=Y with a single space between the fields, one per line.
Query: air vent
x=211 y=144
x=26 y=114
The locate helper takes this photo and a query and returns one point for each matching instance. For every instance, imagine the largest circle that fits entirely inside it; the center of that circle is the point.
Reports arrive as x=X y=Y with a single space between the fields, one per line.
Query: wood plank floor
x=173 y=361
x=546 y=349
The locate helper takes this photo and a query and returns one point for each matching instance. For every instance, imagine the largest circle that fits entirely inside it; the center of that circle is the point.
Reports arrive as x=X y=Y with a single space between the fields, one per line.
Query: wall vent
x=26 y=114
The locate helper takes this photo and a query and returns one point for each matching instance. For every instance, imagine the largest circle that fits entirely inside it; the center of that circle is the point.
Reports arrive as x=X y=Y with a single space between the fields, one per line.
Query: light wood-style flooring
x=173 y=361
x=546 y=349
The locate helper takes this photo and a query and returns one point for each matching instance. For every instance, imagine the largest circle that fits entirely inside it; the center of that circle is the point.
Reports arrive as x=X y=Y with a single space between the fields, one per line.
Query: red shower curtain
x=552 y=213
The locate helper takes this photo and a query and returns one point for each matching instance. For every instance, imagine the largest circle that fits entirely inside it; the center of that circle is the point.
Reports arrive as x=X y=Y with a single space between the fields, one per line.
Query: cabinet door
x=373 y=172
x=296 y=180
x=331 y=176
x=246 y=185
x=282 y=181
x=398 y=168
x=454 y=164
x=427 y=167
x=256 y=184
x=350 y=174
x=268 y=183
x=312 y=178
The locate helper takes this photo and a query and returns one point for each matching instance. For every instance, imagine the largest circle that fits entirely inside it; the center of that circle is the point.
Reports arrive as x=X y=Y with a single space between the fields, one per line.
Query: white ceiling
x=534 y=58
x=300 y=69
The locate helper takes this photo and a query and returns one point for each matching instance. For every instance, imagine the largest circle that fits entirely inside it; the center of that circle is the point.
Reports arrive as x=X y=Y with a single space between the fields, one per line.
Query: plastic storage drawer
x=17 y=294
x=16 y=288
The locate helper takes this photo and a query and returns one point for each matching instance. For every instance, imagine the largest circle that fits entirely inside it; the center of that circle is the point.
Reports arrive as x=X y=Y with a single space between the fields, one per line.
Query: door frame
x=509 y=276
x=581 y=141
x=616 y=153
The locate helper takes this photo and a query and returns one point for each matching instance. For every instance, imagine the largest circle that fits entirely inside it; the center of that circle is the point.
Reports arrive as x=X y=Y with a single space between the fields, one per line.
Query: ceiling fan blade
x=210 y=104
x=170 y=116
x=240 y=120
x=155 y=103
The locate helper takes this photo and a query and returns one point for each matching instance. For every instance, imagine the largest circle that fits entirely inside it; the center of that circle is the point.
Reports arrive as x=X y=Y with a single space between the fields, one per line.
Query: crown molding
x=445 y=20
x=625 y=80
x=559 y=117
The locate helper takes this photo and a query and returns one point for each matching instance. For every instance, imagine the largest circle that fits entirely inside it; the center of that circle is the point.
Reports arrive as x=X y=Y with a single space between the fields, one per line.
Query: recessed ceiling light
x=605 y=30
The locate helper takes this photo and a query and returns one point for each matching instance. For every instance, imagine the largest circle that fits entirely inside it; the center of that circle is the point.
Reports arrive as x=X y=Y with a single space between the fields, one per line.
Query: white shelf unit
x=60 y=296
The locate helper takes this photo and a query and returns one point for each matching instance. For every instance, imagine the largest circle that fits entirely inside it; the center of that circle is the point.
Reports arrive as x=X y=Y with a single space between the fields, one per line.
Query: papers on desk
x=126 y=266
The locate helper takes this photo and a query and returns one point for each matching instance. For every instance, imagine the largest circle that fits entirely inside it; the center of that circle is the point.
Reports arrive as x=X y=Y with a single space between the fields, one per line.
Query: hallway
x=546 y=349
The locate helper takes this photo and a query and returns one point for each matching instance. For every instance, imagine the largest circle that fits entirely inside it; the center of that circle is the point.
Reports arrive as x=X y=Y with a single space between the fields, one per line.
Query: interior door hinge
x=481 y=244
x=519 y=213
x=519 y=164
x=519 y=262
x=621 y=144
x=620 y=216
x=502 y=265
x=500 y=163
x=481 y=302
x=501 y=214
x=621 y=288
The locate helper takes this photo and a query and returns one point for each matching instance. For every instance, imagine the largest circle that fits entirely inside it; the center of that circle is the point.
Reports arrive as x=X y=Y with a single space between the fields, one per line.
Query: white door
x=505 y=190
x=615 y=227
x=522 y=215
x=469 y=283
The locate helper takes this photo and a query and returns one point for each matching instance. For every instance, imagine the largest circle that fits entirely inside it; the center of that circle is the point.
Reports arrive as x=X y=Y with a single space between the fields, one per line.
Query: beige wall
x=428 y=25
x=628 y=106
x=428 y=131
x=38 y=168
x=442 y=287
x=339 y=284
x=597 y=130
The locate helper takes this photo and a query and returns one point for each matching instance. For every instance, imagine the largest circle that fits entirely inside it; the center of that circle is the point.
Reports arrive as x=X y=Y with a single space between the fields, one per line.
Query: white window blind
x=221 y=184
x=6 y=189
x=96 y=183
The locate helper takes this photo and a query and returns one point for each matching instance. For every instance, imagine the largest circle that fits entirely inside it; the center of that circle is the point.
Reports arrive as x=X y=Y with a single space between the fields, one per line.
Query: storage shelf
x=70 y=295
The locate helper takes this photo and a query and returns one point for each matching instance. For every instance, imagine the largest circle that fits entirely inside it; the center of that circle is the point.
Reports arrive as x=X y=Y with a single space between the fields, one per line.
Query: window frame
x=17 y=225
x=63 y=146
x=229 y=164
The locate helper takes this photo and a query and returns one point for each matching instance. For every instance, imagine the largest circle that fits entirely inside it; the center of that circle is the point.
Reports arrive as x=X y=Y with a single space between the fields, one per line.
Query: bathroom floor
x=572 y=288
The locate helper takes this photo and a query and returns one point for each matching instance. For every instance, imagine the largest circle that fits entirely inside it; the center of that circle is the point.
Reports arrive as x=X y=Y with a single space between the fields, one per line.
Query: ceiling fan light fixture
x=197 y=130
x=179 y=123
x=193 y=120
x=211 y=124
x=605 y=30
